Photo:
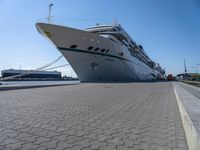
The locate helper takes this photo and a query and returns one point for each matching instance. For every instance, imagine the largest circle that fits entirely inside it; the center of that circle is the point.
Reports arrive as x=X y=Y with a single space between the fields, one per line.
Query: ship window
x=112 y=40
x=118 y=29
x=140 y=46
x=124 y=43
x=107 y=50
x=96 y=49
x=103 y=50
x=73 y=46
x=121 y=54
x=90 y=48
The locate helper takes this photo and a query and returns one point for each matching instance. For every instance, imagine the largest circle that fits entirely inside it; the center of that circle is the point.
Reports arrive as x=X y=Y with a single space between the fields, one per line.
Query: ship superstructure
x=102 y=53
x=118 y=35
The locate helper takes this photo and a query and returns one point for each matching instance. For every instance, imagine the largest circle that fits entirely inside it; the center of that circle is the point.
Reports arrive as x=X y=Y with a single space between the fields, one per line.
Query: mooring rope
x=45 y=66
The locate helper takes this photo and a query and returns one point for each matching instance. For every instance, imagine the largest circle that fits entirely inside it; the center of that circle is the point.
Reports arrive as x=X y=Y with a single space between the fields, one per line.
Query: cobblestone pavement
x=116 y=116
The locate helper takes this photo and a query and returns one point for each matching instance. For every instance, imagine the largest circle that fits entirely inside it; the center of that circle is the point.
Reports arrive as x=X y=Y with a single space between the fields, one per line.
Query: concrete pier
x=188 y=98
x=92 y=116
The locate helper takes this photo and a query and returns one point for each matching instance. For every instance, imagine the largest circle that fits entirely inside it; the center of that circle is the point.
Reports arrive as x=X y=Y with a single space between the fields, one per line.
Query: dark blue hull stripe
x=92 y=52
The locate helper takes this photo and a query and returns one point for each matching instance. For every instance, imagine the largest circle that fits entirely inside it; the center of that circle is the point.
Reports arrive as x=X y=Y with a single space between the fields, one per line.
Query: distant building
x=31 y=74
x=188 y=76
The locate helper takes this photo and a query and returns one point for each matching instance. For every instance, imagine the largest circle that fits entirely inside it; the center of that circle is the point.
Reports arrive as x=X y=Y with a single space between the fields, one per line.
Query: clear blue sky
x=168 y=30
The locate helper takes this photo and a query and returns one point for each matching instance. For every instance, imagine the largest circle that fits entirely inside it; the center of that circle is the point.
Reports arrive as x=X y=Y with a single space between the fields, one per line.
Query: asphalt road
x=103 y=116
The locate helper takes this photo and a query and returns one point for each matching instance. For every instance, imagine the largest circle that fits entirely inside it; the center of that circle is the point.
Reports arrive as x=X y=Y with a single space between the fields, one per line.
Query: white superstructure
x=102 y=53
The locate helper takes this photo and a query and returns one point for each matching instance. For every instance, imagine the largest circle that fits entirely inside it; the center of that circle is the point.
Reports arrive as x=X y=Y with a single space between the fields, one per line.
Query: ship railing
x=52 y=21
x=72 y=21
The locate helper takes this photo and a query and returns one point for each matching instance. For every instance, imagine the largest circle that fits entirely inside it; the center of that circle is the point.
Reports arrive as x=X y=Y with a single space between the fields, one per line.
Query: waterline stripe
x=92 y=52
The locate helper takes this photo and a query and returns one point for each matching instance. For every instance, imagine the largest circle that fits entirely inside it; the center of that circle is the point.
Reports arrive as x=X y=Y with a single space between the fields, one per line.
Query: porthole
x=96 y=49
x=107 y=50
x=121 y=53
x=103 y=50
x=73 y=46
x=90 y=48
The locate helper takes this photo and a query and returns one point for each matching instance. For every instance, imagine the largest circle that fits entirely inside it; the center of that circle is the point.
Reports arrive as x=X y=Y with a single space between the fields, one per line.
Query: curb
x=192 y=136
x=5 y=88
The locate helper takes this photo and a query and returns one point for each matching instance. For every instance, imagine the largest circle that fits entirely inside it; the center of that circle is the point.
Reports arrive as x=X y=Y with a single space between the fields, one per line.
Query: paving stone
x=50 y=144
x=117 y=141
x=128 y=143
x=85 y=143
x=16 y=146
x=9 y=141
x=63 y=145
x=101 y=138
x=29 y=139
x=41 y=140
x=29 y=146
x=76 y=148
x=108 y=147
x=61 y=138
x=95 y=145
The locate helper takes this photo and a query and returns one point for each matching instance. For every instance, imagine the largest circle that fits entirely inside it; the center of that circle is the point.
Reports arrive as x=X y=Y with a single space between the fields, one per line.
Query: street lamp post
x=195 y=68
x=198 y=66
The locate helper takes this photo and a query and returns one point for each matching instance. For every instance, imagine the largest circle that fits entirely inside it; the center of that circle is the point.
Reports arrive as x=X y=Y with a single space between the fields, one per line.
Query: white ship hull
x=96 y=66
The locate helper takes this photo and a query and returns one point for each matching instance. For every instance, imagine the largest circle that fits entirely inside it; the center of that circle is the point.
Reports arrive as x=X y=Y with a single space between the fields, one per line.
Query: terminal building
x=31 y=74
x=188 y=76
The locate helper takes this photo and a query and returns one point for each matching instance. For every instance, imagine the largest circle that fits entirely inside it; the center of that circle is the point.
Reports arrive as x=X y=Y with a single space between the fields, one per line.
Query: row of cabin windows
x=98 y=49
x=90 y=48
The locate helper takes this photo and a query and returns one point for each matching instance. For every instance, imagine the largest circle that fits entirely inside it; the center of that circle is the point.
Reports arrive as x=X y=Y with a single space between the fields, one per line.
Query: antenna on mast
x=115 y=21
x=185 y=68
x=49 y=17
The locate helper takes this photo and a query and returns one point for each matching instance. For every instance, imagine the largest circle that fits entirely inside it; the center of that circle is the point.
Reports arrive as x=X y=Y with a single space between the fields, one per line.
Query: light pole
x=49 y=18
x=198 y=65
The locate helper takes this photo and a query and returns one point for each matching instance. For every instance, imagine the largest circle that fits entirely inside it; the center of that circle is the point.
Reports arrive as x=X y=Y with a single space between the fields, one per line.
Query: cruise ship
x=102 y=53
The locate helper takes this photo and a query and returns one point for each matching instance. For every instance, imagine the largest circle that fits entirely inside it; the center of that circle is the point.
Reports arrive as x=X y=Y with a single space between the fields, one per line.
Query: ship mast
x=49 y=17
